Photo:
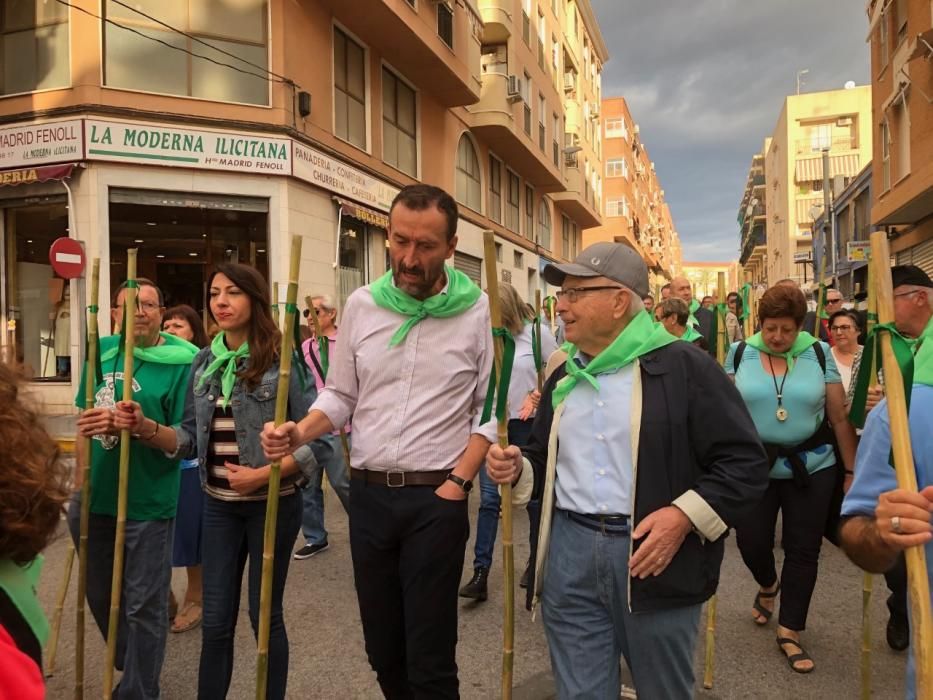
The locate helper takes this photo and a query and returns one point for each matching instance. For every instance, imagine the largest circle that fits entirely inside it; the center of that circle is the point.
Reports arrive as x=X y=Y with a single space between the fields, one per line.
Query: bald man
x=700 y=318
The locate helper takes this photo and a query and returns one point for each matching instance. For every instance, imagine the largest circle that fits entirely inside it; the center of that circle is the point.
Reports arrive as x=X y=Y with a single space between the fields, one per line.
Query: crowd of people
x=634 y=450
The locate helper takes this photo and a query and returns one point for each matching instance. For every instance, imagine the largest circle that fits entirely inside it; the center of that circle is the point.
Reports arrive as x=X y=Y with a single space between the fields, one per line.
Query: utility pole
x=829 y=231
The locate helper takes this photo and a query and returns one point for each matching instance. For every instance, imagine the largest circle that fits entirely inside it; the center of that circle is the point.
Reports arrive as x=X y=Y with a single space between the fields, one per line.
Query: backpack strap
x=737 y=356
x=820 y=355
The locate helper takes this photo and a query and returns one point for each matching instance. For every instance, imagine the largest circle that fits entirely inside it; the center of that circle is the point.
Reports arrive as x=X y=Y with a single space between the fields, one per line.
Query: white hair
x=635 y=304
x=927 y=291
x=327 y=301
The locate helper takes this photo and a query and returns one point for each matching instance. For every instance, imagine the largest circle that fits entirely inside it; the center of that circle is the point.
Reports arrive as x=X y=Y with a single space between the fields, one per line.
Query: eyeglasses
x=838 y=329
x=905 y=294
x=834 y=301
x=570 y=295
x=149 y=306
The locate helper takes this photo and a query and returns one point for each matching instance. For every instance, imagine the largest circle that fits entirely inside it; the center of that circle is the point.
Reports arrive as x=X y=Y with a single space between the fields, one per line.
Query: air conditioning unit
x=570 y=159
x=514 y=91
x=844 y=121
x=568 y=82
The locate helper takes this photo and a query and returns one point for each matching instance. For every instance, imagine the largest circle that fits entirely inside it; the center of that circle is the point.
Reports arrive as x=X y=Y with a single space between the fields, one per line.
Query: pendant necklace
x=781 y=413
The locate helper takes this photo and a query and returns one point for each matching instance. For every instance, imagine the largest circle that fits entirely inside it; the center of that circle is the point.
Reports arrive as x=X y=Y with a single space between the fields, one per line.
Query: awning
x=29 y=176
x=809 y=169
x=358 y=211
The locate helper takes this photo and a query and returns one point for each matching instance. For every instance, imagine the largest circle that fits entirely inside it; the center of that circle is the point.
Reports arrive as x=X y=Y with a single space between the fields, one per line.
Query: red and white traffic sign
x=67 y=258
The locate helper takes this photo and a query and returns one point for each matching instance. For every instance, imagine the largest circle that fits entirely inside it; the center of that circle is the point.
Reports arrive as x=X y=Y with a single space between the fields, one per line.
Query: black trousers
x=896 y=578
x=804 y=512
x=408 y=546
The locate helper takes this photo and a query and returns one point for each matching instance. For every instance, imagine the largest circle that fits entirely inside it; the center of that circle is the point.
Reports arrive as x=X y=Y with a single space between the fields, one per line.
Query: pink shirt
x=311 y=346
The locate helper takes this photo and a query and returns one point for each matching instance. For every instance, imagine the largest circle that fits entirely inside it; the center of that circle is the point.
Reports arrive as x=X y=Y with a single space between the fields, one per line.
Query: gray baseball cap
x=616 y=261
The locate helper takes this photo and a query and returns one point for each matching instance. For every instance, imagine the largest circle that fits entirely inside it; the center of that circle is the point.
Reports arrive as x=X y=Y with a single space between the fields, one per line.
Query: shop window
x=37 y=334
x=34 y=38
x=399 y=130
x=189 y=65
x=349 y=90
x=468 y=174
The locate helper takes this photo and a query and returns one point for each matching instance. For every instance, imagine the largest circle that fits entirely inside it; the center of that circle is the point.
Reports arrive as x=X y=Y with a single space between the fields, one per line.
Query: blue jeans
x=487 y=522
x=588 y=623
x=142 y=627
x=312 y=519
x=233 y=532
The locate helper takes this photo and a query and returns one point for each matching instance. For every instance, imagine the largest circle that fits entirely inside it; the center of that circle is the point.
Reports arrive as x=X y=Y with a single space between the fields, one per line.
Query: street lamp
x=800 y=74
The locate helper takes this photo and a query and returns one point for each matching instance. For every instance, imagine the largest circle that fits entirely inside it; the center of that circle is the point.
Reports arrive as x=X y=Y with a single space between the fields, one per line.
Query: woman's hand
x=129 y=416
x=529 y=405
x=97 y=421
x=245 y=480
x=875 y=394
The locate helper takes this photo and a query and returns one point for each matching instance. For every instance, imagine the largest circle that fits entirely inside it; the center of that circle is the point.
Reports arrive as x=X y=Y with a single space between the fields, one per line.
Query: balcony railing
x=836 y=143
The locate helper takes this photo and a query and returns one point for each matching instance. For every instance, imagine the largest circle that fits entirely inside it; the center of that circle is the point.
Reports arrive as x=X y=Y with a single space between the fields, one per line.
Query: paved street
x=327 y=659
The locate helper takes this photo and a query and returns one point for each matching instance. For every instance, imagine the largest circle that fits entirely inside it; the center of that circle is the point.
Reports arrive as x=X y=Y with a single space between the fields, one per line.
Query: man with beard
x=411 y=365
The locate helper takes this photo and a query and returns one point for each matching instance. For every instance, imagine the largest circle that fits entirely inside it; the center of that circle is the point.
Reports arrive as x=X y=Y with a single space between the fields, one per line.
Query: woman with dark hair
x=183 y=322
x=792 y=388
x=232 y=392
x=844 y=330
x=33 y=488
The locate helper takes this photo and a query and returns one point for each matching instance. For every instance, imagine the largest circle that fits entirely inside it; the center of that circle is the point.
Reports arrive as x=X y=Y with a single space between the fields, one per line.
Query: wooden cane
x=130 y=297
x=90 y=390
x=918 y=584
x=344 y=443
x=505 y=490
x=56 y=626
x=540 y=369
x=710 y=642
x=275 y=303
x=819 y=303
x=272 y=499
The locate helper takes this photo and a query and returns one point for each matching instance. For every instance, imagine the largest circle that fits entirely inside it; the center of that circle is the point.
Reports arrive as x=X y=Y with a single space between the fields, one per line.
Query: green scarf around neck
x=690 y=335
x=801 y=344
x=461 y=294
x=224 y=356
x=638 y=338
x=21 y=583
x=171 y=351
x=923 y=357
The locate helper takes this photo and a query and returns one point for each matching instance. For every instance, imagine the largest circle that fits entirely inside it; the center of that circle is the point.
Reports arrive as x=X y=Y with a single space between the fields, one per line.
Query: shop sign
x=38 y=144
x=331 y=174
x=154 y=144
x=28 y=176
x=803 y=257
x=858 y=251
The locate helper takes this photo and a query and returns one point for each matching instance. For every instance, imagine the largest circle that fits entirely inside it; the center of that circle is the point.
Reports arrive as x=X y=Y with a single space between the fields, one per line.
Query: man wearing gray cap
x=644 y=455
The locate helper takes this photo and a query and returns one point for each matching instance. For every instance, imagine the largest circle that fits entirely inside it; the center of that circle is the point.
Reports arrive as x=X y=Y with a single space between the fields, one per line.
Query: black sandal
x=794 y=658
x=761 y=609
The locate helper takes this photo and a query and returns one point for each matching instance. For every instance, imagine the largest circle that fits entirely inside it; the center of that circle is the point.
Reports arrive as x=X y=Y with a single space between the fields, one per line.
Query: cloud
x=705 y=80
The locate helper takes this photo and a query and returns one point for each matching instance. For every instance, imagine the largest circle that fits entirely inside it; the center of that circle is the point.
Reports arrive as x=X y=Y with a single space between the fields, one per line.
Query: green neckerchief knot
x=691 y=319
x=461 y=294
x=224 y=356
x=903 y=352
x=638 y=338
x=745 y=294
x=803 y=343
x=691 y=334
x=499 y=390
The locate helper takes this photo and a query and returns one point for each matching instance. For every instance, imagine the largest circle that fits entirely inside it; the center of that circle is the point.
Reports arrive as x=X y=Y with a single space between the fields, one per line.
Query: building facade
x=634 y=209
x=752 y=218
x=838 y=121
x=704 y=277
x=198 y=134
x=901 y=39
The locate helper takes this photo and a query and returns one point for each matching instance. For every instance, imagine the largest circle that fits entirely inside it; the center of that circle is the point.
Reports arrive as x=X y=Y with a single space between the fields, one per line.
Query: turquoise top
x=804 y=399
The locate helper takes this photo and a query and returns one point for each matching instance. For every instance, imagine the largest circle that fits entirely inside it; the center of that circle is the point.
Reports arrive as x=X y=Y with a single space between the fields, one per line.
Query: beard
x=418 y=282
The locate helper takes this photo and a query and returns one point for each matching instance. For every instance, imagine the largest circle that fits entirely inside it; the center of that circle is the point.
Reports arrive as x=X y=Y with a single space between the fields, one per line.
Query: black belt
x=606 y=524
x=398 y=479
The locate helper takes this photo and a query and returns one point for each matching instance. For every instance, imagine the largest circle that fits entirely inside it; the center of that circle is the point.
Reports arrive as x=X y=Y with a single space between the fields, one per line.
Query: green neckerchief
x=461 y=294
x=803 y=342
x=171 y=351
x=745 y=293
x=224 y=356
x=690 y=335
x=638 y=338
x=821 y=304
x=498 y=389
x=691 y=319
x=923 y=356
x=536 y=343
x=903 y=352
x=20 y=583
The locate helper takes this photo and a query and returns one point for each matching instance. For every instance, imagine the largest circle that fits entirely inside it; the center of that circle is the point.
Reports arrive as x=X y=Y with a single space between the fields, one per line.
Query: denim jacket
x=251 y=410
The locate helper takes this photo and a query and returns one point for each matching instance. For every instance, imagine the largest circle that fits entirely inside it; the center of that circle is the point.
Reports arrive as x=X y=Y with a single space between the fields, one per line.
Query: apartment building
x=836 y=120
x=634 y=209
x=198 y=133
x=901 y=39
x=752 y=220
x=704 y=277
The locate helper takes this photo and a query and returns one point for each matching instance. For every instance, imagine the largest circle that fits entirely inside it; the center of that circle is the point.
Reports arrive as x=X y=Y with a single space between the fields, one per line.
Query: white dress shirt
x=414 y=405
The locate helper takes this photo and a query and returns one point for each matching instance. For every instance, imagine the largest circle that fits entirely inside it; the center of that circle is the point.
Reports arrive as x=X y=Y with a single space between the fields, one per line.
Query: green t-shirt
x=152 y=492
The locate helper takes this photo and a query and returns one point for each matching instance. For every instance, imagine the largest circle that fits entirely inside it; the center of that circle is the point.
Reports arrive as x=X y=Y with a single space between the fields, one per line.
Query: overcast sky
x=706 y=79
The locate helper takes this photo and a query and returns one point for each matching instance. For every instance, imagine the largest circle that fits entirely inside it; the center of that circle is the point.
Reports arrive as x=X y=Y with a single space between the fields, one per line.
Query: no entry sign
x=67 y=258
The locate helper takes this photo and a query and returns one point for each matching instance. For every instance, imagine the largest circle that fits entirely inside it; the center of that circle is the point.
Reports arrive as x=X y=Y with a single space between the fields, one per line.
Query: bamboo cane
x=505 y=490
x=344 y=443
x=272 y=499
x=275 y=303
x=819 y=303
x=710 y=642
x=918 y=585
x=540 y=369
x=722 y=336
x=56 y=626
x=867 y=578
x=750 y=313
x=116 y=587
x=90 y=388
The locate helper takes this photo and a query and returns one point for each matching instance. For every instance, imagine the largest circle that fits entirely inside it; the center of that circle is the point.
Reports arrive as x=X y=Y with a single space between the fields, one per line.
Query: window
x=399 y=132
x=129 y=57
x=518 y=260
x=568 y=237
x=498 y=252
x=542 y=58
x=526 y=22
x=526 y=103
x=34 y=42
x=900 y=21
x=820 y=137
x=901 y=138
x=555 y=142
x=494 y=202
x=513 y=203
x=615 y=128
x=529 y=213
x=544 y=224
x=614 y=207
x=349 y=90
x=555 y=55
x=616 y=167
x=885 y=156
x=468 y=175
x=542 y=110
x=445 y=23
